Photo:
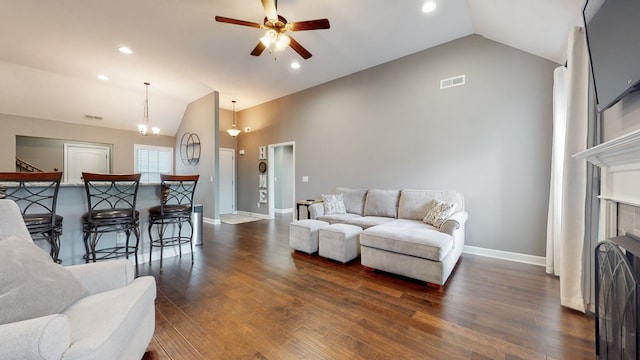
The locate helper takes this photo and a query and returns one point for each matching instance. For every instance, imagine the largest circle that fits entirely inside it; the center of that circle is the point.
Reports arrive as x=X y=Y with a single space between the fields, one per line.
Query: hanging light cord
x=234 y=113
x=146 y=106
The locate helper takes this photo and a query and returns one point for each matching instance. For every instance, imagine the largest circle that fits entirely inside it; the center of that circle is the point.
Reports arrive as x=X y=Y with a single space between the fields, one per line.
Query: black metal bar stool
x=111 y=209
x=36 y=193
x=175 y=209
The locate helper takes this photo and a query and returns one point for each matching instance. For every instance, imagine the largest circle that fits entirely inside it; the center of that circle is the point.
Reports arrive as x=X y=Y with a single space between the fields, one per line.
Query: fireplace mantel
x=619 y=154
x=619 y=160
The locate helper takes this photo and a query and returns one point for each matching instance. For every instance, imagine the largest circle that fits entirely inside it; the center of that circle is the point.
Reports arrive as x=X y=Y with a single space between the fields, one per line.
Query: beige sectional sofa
x=413 y=233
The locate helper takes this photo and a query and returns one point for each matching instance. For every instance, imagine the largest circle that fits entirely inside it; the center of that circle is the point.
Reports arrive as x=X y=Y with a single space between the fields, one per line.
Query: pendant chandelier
x=143 y=128
x=234 y=131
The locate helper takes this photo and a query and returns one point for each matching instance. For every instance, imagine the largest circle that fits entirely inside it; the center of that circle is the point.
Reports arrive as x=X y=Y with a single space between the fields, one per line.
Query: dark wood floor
x=248 y=296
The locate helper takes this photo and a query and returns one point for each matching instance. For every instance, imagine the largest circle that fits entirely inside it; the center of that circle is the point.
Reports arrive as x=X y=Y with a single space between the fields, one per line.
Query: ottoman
x=303 y=234
x=340 y=242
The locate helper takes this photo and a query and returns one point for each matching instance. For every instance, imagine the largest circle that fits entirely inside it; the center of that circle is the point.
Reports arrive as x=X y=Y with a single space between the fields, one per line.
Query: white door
x=227 y=181
x=80 y=158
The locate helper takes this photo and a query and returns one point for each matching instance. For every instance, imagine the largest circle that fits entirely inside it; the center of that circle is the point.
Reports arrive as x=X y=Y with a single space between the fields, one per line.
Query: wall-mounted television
x=613 y=38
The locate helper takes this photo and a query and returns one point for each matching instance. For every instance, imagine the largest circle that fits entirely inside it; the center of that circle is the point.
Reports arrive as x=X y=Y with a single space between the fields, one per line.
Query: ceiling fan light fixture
x=265 y=41
x=283 y=41
x=270 y=37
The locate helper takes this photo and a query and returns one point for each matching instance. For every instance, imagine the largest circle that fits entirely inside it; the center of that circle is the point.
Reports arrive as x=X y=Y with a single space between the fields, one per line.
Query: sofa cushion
x=31 y=284
x=410 y=238
x=414 y=204
x=439 y=212
x=354 y=199
x=366 y=222
x=333 y=204
x=382 y=203
x=338 y=219
x=103 y=322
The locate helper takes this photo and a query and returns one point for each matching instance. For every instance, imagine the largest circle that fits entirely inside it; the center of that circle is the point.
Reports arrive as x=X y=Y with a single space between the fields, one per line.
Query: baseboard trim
x=211 y=221
x=261 y=216
x=506 y=255
x=283 y=211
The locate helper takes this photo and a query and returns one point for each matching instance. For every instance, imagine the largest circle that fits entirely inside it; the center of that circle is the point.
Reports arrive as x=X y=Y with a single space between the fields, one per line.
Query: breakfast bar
x=72 y=204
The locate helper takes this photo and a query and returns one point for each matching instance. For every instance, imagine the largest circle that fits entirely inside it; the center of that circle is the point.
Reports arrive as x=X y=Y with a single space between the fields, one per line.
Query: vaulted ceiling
x=51 y=52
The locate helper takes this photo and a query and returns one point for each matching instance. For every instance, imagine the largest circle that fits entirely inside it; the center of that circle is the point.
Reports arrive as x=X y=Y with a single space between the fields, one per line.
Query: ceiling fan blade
x=310 y=25
x=258 y=49
x=299 y=48
x=237 y=22
x=271 y=9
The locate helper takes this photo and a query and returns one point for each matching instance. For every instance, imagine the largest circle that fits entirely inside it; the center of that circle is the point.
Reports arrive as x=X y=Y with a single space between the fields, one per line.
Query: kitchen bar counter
x=72 y=204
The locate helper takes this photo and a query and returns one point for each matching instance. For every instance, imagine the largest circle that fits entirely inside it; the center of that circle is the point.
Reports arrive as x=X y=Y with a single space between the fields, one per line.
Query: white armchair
x=113 y=316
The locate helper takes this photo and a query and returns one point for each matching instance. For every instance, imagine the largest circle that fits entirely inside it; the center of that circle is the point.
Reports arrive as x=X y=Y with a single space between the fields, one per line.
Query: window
x=151 y=161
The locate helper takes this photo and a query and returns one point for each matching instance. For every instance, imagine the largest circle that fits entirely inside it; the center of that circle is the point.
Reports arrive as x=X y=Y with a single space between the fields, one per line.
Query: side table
x=306 y=204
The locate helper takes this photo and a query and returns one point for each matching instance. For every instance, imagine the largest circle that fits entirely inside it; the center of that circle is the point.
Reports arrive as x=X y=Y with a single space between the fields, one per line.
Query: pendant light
x=144 y=126
x=234 y=131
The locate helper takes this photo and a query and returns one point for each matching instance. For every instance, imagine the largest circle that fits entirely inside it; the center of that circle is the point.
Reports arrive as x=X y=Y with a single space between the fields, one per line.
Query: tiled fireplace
x=629 y=219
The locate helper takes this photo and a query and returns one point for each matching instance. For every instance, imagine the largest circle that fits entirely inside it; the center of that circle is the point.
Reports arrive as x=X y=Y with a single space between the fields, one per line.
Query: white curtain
x=566 y=220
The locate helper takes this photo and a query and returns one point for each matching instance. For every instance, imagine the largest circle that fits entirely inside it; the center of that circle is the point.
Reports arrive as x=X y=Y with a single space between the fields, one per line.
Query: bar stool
x=36 y=193
x=175 y=209
x=111 y=209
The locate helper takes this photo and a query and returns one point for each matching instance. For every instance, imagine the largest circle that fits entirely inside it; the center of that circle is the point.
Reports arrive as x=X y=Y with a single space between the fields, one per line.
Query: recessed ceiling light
x=103 y=77
x=295 y=65
x=428 y=7
x=125 y=50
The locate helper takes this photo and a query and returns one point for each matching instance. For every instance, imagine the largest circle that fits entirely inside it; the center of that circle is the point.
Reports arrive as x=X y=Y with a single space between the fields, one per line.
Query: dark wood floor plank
x=249 y=296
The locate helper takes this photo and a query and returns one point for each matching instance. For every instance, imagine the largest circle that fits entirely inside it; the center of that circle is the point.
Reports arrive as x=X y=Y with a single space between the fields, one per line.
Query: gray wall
x=283 y=173
x=205 y=118
x=121 y=140
x=391 y=127
x=44 y=153
x=622 y=118
x=200 y=118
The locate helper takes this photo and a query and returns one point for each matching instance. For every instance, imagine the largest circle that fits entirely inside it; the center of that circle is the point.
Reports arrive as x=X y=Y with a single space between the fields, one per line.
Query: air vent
x=452 y=81
x=92 y=117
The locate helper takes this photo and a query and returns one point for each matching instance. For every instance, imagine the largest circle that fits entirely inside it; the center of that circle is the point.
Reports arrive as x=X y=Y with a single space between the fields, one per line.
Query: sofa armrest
x=46 y=337
x=11 y=221
x=454 y=222
x=316 y=210
x=105 y=275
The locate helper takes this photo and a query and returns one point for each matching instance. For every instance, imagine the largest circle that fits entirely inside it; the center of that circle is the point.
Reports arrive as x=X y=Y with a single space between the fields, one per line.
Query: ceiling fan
x=276 y=28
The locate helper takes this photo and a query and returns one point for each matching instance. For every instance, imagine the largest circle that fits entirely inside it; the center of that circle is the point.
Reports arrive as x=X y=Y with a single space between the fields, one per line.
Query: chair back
x=113 y=193
x=36 y=193
x=177 y=192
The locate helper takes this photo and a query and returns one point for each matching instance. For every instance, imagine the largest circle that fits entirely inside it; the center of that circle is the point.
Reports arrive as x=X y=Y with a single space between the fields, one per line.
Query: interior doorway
x=80 y=158
x=227 y=181
x=281 y=178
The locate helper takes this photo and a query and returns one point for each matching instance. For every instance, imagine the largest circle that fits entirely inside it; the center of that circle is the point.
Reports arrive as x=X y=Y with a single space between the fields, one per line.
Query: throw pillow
x=439 y=212
x=353 y=199
x=382 y=203
x=333 y=204
x=31 y=284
